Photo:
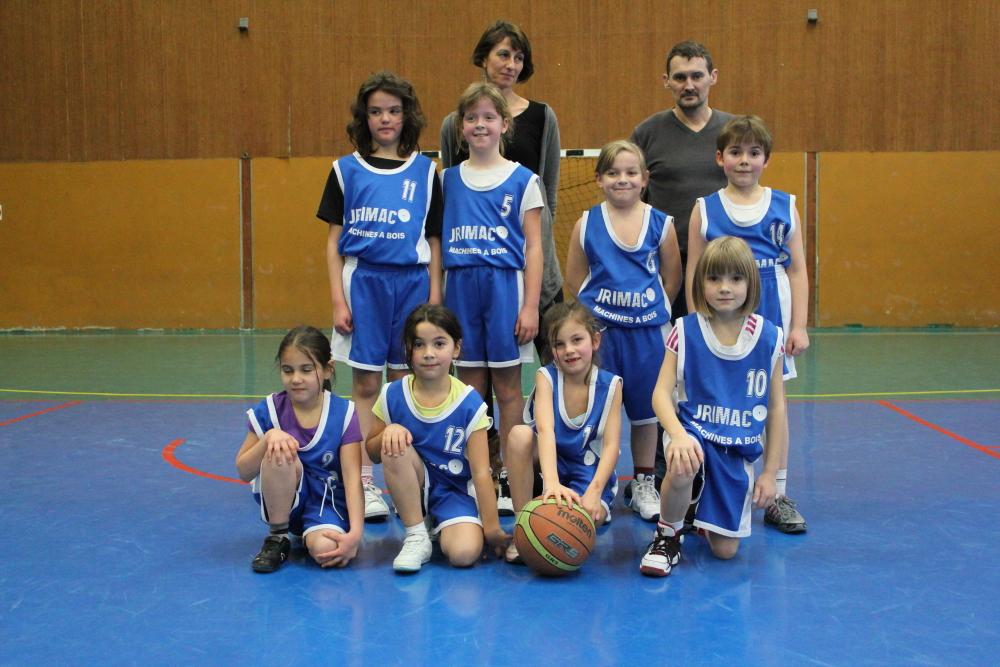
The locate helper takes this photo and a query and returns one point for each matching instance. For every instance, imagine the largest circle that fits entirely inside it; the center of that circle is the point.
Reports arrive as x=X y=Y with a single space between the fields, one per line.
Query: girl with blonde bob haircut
x=726 y=255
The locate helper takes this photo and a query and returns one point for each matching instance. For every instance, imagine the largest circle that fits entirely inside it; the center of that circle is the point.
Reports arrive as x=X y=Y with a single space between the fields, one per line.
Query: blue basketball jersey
x=578 y=445
x=320 y=457
x=385 y=210
x=723 y=391
x=440 y=441
x=767 y=237
x=484 y=226
x=623 y=287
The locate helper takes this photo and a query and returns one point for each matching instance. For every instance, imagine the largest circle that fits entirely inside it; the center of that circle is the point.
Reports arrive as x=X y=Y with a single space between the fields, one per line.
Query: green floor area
x=840 y=364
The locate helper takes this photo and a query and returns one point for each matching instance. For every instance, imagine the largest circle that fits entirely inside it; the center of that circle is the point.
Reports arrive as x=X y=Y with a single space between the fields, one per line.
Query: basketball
x=553 y=539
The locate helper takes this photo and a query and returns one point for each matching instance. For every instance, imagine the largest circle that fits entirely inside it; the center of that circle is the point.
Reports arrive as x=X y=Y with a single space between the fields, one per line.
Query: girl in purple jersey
x=303 y=456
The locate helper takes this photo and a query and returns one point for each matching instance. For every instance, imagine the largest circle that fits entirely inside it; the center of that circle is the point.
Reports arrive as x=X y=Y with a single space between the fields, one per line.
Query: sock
x=279 y=529
x=417 y=529
x=648 y=472
x=669 y=528
x=780 y=481
x=367 y=476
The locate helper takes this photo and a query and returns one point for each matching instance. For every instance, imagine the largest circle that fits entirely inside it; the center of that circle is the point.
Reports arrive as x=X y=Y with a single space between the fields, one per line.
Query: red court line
x=168 y=456
x=40 y=412
x=985 y=449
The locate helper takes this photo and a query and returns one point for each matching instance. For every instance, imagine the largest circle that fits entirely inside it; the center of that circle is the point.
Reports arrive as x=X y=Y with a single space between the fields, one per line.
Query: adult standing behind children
x=679 y=143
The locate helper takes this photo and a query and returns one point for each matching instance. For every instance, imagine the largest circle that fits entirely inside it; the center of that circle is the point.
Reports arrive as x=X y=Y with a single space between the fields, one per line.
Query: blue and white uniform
x=440 y=442
x=483 y=253
x=386 y=254
x=766 y=227
x=580 y=438
x=320 y=501
x=624 y=291
x=723 y=393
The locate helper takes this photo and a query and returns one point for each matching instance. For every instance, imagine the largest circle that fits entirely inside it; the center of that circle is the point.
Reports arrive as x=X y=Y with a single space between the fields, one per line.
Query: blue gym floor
x=127 y=540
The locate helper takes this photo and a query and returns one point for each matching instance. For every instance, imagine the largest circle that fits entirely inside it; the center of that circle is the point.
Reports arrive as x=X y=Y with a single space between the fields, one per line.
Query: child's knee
x=463 y=556
x=723 y=548
x=366 y=384
x=678 y=480
x=319 y=544
x=520 y=440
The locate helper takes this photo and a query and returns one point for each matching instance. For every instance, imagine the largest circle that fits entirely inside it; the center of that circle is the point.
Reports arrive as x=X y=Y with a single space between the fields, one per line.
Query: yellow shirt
x=454 y=394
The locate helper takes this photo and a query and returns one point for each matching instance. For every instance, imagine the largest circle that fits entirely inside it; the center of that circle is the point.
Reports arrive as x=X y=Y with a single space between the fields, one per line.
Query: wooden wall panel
x=129 y=245
x=290 y=277
x=127 y=79
x=908 y=239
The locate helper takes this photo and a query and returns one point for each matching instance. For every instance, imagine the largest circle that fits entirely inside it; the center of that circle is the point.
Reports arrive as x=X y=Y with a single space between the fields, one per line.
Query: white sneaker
x=661 y=556
x=644 y=498
x=376 y=509
x=415 y=552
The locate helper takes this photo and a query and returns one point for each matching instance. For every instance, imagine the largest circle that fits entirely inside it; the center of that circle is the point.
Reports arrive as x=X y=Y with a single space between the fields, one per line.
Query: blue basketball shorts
x=577 y=473
x=445 y=499
x=319 y=503
x=635 y=355
x=724 y=506
x=487 y=301
x=380 y=297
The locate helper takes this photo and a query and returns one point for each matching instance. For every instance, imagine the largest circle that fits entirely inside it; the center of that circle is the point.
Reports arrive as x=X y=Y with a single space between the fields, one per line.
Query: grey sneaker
x=661 y=555
x=783 y=515
x=644 y=498
x=416 y=551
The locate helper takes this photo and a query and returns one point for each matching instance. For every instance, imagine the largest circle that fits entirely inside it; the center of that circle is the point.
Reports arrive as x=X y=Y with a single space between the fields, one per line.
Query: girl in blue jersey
x=624 y=263
x=429 y=433
x=725 y=363
x=576 y=413
x=767 y=220
x=303 y=457
x=383 y=205
x=492 y=253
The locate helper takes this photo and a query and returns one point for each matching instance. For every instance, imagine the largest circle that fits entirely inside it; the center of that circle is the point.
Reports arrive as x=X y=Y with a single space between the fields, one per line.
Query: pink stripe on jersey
x=672 y=344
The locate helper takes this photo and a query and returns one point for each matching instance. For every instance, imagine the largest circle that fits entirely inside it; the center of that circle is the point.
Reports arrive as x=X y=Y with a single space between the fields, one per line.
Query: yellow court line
x=870 y=394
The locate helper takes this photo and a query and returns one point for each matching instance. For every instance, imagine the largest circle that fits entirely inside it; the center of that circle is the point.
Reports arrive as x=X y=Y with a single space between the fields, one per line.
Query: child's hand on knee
x=334 y=549
x=281 y=447
x=684 y=455
x=395 y=440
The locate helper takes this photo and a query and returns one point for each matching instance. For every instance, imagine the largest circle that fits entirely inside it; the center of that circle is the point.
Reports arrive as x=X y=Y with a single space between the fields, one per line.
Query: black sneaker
x=505 y=504
x=661 y=556
x=272 y=554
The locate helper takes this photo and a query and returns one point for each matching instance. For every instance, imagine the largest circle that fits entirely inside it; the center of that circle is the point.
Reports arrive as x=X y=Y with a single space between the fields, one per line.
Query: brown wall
x=87 y=80
x=116 y=212
x=127 y=245
x=904 y=239
x=908 y=239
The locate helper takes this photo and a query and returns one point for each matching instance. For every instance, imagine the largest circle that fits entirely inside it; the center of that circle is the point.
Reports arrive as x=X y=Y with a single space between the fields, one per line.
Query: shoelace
x=786 y=508
x=646 y=490
x=664 y=545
